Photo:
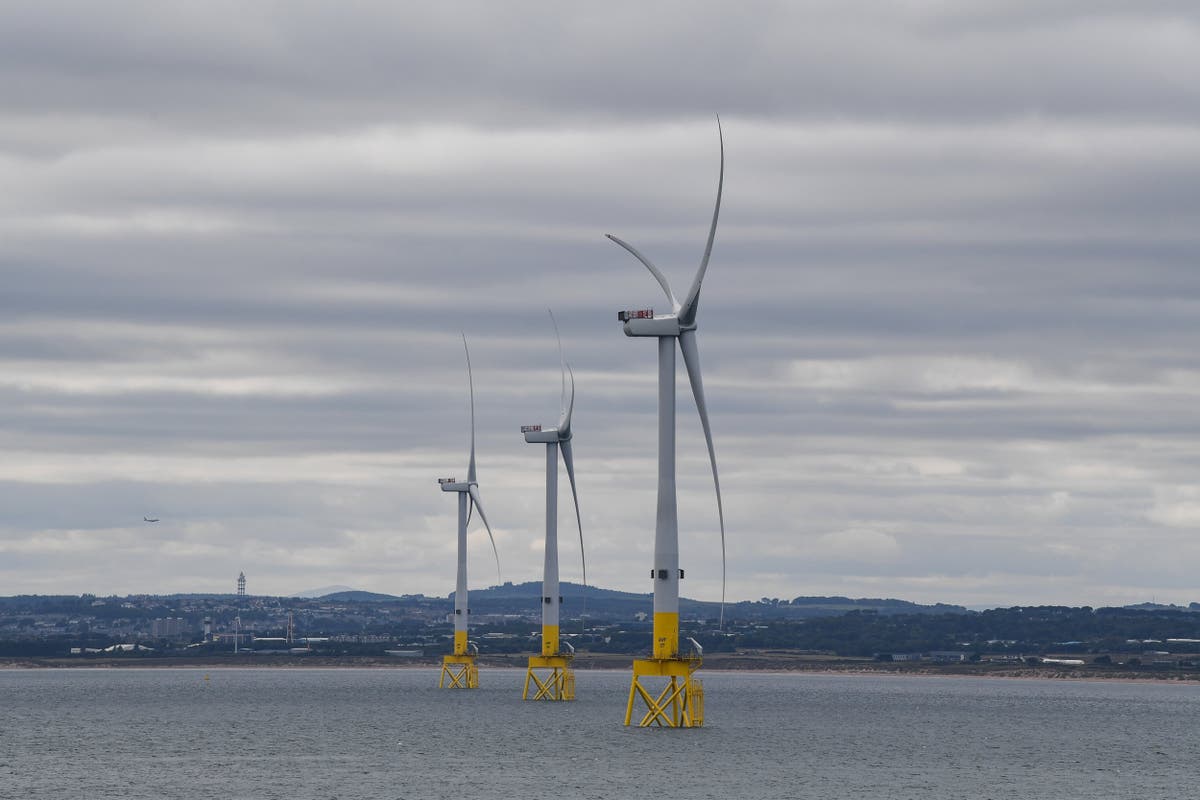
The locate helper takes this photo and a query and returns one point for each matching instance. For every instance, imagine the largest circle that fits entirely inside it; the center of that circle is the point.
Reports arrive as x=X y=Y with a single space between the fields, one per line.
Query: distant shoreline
x=774 y=663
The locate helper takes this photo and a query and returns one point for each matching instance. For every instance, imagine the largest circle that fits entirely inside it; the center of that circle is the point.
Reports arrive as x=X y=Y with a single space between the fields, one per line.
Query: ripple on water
x=390 y=733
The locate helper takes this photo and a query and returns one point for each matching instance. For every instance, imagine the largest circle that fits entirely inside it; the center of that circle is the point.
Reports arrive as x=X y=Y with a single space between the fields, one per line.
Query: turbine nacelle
x=536 y=434
x=666 y=325
x=452 y=485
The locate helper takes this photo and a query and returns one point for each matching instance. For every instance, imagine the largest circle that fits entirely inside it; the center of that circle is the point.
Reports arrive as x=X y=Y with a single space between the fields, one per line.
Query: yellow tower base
x=459 y=672
x=551 y=677
x=677 y=703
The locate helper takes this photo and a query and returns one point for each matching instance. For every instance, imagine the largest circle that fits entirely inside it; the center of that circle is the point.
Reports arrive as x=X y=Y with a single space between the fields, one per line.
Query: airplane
x=147 y=519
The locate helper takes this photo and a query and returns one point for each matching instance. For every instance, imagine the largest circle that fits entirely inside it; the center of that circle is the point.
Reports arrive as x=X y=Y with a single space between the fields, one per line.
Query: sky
x=948 y=332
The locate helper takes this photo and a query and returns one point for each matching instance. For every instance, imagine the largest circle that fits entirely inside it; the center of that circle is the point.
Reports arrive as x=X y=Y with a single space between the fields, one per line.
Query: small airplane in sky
x=147 y=519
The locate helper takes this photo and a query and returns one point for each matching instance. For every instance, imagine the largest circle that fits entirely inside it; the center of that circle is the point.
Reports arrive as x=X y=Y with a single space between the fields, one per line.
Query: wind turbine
x=681 y=702
x=550 y=673
x=458 y=668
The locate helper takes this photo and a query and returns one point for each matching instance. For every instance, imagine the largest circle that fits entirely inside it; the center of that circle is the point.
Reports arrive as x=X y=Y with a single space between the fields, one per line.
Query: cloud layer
x=948 y=333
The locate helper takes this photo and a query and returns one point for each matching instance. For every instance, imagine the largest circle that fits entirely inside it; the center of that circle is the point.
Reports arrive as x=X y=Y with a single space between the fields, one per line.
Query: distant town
x=600 y=623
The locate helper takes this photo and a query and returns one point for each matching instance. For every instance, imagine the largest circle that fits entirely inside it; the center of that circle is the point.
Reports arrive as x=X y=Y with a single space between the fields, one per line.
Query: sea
x=343 y=734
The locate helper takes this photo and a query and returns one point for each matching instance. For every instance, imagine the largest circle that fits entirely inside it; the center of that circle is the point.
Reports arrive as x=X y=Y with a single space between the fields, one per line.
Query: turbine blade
x=564 y=422
x=471 y=384
x=691 y=359
x=562 y=368
x=687 y=314
x=662 y=279
x=569 y=460
x=474 y=491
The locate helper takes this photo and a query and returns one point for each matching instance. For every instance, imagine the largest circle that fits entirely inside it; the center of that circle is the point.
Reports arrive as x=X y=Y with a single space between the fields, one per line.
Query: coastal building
x=169 y=628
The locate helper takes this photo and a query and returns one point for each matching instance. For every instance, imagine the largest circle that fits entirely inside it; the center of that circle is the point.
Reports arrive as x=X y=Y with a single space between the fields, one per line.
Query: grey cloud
x=537 y=63
x=948 y=332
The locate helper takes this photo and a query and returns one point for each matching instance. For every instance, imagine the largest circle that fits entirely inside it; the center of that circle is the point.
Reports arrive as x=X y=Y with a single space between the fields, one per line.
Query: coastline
x=773 y=663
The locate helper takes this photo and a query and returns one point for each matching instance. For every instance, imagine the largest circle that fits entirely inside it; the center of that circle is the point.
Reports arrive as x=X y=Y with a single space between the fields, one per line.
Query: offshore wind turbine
x=550 y=673
x=458 y=668
x=680 y=703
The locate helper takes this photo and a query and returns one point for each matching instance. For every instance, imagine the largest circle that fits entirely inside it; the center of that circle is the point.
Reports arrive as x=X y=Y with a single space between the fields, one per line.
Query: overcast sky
x=949 y=332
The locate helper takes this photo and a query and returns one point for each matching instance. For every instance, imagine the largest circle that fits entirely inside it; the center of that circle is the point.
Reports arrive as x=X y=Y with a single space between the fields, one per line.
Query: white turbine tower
x=681 y=702
x=458 y=668
x=550 y=673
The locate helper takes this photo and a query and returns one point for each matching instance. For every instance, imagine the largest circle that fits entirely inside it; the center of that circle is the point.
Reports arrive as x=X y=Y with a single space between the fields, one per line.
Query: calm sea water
x=389 y=733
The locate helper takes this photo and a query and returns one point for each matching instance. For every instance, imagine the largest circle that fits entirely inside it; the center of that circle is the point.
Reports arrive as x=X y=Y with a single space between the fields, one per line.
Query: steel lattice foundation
x=551 y=677
x=677 y=701
x=459 y=672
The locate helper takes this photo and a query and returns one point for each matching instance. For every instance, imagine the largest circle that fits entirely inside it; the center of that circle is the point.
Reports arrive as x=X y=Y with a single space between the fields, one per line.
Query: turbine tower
x=680 y=703
x=458 y=668
x=550 y=673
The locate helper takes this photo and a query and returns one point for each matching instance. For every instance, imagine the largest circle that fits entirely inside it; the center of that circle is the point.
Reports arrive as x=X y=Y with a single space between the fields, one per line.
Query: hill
x=518 y=598
x=358 y=596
